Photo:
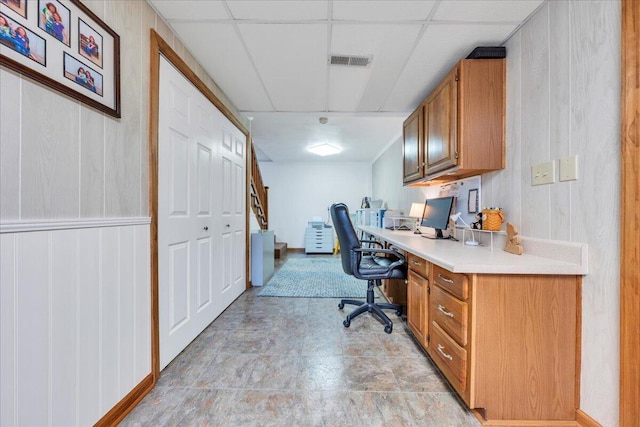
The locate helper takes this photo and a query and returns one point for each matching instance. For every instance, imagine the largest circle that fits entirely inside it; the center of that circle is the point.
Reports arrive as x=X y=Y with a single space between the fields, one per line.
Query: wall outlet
x=569 y=168
x=543 y=173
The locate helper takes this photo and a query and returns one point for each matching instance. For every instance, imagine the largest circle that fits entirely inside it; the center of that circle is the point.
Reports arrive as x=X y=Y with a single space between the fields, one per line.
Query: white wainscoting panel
x=63 y=251
x=75 y=322
x=7 y=332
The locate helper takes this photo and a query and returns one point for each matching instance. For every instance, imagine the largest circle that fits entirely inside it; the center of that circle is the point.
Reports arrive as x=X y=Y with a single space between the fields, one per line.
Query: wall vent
x=350 y=60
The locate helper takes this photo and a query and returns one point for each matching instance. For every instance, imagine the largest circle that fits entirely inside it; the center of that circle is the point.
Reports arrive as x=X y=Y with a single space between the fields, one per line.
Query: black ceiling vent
x=350 y=60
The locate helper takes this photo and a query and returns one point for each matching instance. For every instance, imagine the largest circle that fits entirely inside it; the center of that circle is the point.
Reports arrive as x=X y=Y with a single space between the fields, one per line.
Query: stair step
x=280 y=249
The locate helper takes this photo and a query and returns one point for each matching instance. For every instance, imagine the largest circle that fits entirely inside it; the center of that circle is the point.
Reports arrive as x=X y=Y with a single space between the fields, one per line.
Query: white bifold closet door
x=201 y=219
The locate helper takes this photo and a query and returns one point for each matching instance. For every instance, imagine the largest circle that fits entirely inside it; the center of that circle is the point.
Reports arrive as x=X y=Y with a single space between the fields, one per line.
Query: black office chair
x=367 y=264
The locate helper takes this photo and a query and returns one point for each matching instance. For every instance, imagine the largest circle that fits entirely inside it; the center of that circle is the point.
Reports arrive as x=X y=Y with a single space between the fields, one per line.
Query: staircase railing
x=259 y=193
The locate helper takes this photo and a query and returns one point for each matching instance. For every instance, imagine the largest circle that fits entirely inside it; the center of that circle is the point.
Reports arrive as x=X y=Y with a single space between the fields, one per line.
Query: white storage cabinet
x=318 y=239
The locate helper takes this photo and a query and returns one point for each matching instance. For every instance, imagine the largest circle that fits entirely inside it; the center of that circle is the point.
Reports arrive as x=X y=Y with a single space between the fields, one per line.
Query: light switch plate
x=543 y=173
x=569 y=168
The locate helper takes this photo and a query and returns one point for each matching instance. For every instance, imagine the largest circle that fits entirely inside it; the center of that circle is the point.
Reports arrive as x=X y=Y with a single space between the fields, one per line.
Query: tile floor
x=290 y=362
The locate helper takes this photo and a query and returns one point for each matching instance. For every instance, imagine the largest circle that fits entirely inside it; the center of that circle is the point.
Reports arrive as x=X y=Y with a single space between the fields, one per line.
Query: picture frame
x=472 y=201
x=55 y=19
x=63 y=45
x=18 y=6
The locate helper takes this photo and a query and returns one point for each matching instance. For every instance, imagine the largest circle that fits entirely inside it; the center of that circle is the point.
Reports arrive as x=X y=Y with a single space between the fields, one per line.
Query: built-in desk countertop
x=540 y=256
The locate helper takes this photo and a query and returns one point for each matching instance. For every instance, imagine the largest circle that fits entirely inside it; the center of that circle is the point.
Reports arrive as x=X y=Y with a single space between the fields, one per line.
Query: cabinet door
x=413 y=146
x=417 y=306
x=441 y=125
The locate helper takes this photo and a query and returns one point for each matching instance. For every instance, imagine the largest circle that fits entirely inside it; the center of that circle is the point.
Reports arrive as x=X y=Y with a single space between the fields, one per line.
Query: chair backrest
x=346 y=235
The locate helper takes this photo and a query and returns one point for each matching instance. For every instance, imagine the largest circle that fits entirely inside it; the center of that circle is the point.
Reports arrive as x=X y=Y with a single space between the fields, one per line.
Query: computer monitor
x=436 y=214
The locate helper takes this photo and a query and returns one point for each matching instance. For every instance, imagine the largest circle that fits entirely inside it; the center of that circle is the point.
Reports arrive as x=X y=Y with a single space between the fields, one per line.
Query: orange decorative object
x=492 y=219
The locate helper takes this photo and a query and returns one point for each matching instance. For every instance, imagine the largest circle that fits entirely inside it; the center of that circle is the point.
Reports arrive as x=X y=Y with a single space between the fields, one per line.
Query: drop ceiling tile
x=382 y=10
x=292 y=61
x=190 y=9
x=440 y=48
x=346 y=87
x=279 y=10
x=485 y=11
x=366 y=89
x=219 y=51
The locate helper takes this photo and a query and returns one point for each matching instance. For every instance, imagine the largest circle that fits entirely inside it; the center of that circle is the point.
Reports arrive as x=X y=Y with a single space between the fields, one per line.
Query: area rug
x=312 y=277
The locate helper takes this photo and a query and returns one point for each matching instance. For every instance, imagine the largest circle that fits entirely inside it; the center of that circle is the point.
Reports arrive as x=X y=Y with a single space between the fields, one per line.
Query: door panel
x=226 y=254
x=204 y=273
x=238 y=180
x=179 y=180
x=227 y=186
x=441 y=126
x=179 y=274
x=205 y=160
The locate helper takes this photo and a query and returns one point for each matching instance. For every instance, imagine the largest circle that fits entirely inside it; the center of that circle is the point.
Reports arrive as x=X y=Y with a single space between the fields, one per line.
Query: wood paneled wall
x=76 y=322
x=630 y=218
x=563 y=99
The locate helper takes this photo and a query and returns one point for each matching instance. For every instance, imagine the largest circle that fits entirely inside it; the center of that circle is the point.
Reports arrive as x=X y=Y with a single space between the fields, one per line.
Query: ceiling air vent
x=350 y=60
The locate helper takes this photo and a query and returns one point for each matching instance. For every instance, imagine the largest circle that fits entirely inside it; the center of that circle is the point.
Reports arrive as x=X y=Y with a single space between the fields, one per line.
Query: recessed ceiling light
x=324 y=149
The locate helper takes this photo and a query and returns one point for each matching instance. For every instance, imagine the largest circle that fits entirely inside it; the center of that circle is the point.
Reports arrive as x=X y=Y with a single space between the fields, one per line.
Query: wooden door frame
x=161 y=47
x=630 y=216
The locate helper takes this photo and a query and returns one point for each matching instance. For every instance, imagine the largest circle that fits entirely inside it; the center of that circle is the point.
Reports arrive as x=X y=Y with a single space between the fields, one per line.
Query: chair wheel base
x=347 y=323
x=388 y=329
x=340 y=306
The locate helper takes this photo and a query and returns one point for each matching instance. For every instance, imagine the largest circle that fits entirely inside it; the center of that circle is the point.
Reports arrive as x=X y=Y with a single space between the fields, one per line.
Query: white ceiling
x=271 y=59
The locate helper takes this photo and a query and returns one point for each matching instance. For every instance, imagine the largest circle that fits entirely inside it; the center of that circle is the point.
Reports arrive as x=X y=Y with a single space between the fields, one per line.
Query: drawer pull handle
x=444 y=311
x=415 y=262
x=444 y=279
x=445 y=355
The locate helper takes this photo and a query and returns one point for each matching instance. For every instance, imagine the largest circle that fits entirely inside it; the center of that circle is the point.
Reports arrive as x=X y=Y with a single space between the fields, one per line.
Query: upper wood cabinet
x=413 y=146
x=463 y=124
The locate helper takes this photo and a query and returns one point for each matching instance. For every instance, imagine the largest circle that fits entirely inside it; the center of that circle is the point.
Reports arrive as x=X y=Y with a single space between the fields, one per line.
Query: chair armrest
x=393 y=265
x=371 y=241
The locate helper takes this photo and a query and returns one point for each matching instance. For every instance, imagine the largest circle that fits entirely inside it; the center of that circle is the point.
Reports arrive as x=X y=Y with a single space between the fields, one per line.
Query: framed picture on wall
x=54 y=19
x=89 y=43
x=18 y=6
x=22 y=41
x=472 y=201
x=65 y=46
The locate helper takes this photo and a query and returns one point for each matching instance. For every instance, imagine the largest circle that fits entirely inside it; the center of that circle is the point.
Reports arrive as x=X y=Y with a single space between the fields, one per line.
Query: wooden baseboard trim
x=523 y=423
x=295 y=249
x=582 y=420
x=585 y=420
x=126 y=405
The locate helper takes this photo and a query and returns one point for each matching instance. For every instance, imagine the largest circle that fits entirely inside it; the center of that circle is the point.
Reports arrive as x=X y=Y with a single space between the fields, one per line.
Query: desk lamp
x=458 y=216
x=416 y=212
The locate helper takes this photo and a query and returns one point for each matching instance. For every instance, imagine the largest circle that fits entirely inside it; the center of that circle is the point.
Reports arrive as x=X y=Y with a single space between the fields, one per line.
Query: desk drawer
x=450 y=313
x=455 y=283
x=449 y=356
x=419 y=265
